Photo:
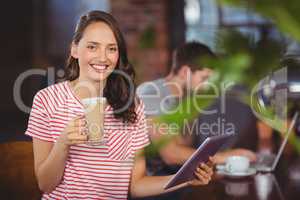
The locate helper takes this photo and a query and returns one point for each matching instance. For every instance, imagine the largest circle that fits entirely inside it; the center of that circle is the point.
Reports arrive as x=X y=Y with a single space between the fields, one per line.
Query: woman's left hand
x=203 y=173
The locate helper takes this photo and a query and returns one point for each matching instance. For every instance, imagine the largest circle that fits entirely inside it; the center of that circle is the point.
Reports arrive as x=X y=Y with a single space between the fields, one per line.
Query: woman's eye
x=90 y=47
x=112 y=49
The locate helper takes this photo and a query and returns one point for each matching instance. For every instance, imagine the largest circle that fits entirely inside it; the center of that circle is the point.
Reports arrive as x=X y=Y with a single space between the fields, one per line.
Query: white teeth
x=99 y=67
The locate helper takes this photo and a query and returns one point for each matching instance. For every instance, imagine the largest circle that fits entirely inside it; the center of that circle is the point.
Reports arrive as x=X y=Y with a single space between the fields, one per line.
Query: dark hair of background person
x=118 y=90
x=192 y=55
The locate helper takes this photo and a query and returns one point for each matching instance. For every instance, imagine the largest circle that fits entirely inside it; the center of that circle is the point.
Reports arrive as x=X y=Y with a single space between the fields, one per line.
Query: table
x=282 y=184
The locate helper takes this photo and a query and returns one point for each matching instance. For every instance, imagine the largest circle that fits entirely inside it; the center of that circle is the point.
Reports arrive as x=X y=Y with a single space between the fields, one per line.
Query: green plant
x=147 y=38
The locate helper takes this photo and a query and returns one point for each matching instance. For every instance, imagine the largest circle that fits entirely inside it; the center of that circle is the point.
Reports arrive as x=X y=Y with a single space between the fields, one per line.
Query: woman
x=66 y=166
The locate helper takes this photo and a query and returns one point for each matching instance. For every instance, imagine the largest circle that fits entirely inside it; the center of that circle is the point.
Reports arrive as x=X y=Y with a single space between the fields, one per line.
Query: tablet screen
x=208 y=148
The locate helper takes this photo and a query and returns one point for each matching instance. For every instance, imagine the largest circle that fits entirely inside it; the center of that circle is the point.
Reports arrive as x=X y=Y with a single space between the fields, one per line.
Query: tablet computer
x=208 y=148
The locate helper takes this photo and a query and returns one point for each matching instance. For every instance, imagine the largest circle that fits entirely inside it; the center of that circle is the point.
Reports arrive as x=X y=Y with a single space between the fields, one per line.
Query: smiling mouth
x=99 y=68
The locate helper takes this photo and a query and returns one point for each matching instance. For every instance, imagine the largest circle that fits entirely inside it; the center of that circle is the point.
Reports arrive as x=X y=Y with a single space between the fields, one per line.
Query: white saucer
x=221 y=170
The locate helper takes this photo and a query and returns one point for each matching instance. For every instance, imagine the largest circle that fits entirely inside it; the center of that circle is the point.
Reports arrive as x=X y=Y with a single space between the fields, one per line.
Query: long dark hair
x=119 y=89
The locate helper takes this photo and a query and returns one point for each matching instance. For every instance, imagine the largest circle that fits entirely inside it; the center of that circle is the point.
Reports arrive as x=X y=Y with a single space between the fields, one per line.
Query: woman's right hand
x=75 y=132
x=203 y=173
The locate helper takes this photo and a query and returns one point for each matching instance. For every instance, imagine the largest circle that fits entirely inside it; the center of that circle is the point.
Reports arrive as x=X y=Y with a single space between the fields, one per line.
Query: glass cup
x=94 y=113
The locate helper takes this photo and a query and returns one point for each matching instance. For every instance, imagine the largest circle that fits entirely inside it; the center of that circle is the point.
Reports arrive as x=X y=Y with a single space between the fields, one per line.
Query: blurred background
x=36 y=34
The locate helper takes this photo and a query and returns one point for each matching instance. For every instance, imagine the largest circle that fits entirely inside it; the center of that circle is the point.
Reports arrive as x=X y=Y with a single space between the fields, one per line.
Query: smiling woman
x=99 y=47
x=67 y=166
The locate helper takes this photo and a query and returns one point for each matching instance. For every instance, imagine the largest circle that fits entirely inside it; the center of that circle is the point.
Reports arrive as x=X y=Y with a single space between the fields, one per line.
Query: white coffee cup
x=237 y=164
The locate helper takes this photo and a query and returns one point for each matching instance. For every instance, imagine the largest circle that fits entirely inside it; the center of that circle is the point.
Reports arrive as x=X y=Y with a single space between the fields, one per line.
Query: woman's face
x=97 y=52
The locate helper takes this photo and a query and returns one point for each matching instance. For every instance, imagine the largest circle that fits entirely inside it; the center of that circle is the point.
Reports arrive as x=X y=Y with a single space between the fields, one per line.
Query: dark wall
x=176 y=25
x=16 y=55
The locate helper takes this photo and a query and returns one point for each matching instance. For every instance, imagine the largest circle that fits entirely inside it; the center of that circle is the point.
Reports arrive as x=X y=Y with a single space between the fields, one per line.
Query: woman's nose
x=101 y=54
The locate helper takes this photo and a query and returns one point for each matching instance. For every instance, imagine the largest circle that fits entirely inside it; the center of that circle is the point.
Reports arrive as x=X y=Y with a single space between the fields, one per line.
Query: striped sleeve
x=141 y=138
x=38 y=123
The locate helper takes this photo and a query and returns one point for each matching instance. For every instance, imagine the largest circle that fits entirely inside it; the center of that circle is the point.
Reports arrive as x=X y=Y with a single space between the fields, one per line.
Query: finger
x=79 y=117
x=199 y=174
x=76 y=119
x=204 y=173
x=74 y=142
x=80 y=130
x=77 y=137
x=210 y=172
x=80 y=122
x=211 y=162
x=201 y=180
x=206 y=168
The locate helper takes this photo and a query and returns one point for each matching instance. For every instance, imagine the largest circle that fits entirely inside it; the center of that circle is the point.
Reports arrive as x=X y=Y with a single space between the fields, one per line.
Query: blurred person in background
x=163 y=95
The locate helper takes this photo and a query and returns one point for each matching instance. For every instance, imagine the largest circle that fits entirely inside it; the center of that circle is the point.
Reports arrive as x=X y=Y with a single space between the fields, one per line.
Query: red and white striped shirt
x=91 y=172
